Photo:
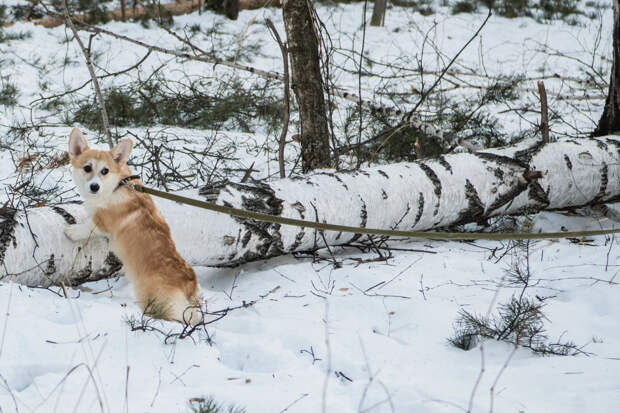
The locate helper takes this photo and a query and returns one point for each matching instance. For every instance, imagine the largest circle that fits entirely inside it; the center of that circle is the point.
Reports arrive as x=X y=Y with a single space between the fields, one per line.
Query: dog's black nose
x=94 y=187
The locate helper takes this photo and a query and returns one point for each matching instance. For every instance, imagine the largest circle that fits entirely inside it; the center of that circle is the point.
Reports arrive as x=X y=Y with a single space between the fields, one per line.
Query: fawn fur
x=164 y=284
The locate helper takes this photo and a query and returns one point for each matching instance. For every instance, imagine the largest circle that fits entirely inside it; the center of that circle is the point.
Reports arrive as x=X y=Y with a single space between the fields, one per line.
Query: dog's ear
x=77 y=143
x=121 y=152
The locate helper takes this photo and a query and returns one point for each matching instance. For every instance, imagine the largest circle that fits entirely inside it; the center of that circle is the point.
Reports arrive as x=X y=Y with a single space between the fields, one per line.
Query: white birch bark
x=433 y=193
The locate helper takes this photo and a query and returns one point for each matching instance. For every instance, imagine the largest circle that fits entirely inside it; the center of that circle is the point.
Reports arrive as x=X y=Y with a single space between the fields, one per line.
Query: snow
x=378 y=330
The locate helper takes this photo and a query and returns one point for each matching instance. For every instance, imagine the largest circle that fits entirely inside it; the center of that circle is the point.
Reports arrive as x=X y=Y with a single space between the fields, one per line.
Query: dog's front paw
x=77 y=232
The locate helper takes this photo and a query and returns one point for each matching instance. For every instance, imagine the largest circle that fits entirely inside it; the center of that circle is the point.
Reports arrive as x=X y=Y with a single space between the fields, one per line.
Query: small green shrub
x=209 y=405
x=519 y=321
x=541 y=9
x=464 y=6
x=198 y=103
x=4 y=19
x=8 y=92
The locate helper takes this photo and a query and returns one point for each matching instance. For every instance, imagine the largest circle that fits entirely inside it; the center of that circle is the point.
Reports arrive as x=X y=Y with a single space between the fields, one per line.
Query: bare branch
x=287 y=107
x=91 y=70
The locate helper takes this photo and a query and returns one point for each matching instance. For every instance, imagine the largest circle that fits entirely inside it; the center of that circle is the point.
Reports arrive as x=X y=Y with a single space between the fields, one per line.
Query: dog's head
x=97 y=173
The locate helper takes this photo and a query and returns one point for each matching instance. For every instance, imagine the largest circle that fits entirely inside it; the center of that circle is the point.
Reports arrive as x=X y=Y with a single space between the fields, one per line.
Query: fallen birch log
x=433 y=193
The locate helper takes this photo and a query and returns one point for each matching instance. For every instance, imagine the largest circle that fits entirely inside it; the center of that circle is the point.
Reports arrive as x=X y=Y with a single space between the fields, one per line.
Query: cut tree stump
x=433 y=193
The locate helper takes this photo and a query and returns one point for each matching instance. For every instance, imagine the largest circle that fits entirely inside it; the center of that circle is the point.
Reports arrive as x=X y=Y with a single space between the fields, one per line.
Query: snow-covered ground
x=368 y=336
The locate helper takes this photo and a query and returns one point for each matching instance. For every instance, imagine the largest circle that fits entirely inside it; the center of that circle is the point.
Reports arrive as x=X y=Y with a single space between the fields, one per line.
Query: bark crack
x=7 y=231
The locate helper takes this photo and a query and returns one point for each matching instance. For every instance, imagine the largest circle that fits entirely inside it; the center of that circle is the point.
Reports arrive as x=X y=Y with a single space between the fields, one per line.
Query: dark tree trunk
x=307 y=83
x=610 y=120
x=378 y=13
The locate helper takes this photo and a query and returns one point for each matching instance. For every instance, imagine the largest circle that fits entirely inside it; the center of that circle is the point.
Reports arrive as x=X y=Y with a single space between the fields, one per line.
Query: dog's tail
x=185 y=310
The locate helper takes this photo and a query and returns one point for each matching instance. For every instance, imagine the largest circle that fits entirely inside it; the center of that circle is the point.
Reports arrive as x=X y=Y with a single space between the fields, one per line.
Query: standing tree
x=378 y=13
x=307 y=83
x=610 y=120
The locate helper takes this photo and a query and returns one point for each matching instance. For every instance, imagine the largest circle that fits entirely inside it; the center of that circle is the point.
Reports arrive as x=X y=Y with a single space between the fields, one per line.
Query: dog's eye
x=104 y=171
x=88 y=168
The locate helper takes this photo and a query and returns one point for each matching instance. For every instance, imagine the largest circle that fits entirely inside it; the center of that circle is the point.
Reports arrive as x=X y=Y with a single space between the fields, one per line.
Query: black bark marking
x=475 y=207
x=507 y=197
x=298 y=239
x=363 y=220
x=526 y=155
x=300 y=208
x=69 y=219
x=337 y=178
x=7 y=230
x=501 y=159
x=604 y=181
x=83 y=275
x=499 y=174
x=382 y=173
x=363 y=214
x=436 y=183
x=246 y=238
x=384 y=194
x=111 y=266
x=601 y=145
x=212 y=190
x=51 y=265
x=569 y=164
x=614 y=143
x=418 y=215
x=538 y=195
x=260 y=197
x=443 y=162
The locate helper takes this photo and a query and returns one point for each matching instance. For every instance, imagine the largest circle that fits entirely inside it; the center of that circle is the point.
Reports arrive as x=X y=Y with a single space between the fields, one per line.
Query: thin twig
x=426 y=93
x=328 y=372
x=359 y=87
x=203 y=56
x=445 y=69
x=501 y=371
x=68 y=92
x=482 y=360
x=91 y=70
x=295 y=401
x=7 y=314
x=287 y=108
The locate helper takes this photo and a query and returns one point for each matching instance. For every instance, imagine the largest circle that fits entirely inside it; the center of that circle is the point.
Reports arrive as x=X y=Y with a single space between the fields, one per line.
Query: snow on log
x=432 y=193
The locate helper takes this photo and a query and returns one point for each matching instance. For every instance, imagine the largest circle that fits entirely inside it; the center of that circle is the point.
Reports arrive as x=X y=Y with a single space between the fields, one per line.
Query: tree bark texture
x=610 y=120
x=433 y=193
x=307 y=83
x=378 y=13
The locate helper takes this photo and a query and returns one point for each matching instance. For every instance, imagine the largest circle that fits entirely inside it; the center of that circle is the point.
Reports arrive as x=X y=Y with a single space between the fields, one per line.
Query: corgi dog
x=164 y=284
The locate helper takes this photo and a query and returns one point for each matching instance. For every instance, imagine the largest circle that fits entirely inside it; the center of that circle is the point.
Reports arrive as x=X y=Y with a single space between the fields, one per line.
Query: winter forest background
x=401 y=114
